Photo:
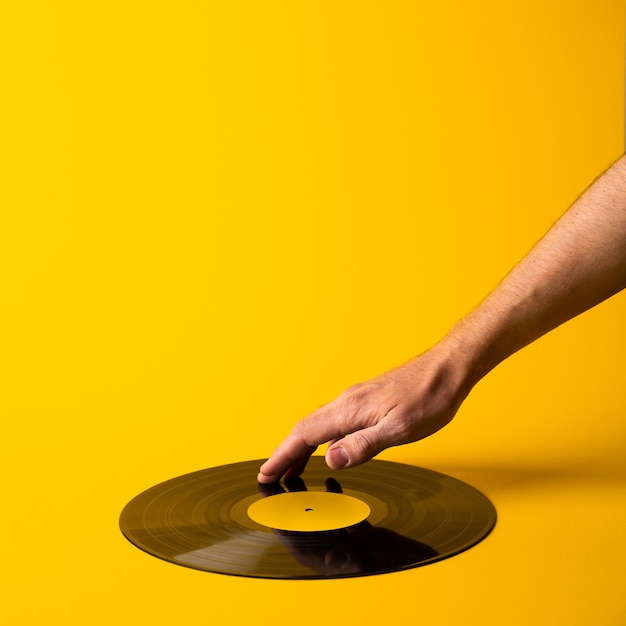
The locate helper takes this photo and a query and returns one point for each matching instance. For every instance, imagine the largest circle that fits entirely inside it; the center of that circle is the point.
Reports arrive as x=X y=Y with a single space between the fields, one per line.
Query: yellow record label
x=308 y=511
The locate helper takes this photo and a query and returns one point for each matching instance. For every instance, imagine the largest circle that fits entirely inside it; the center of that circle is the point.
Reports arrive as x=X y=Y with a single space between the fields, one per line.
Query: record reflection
x=359 y=549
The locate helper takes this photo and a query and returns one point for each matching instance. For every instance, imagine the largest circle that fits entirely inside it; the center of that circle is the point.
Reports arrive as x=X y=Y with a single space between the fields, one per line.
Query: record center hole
x=307 y=510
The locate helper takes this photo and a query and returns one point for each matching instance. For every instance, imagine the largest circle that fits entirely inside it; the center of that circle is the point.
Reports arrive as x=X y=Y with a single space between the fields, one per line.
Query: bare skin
x=580 y=262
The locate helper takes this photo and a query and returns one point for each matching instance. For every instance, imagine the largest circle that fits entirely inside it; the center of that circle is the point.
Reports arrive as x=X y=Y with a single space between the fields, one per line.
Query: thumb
x=356 y=448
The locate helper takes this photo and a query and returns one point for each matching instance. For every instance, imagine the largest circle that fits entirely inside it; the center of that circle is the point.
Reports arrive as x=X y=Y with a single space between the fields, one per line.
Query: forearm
x=578 y=263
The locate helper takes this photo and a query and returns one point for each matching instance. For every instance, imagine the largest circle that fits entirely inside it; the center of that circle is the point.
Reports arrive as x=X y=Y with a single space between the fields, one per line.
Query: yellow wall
x=217 y=215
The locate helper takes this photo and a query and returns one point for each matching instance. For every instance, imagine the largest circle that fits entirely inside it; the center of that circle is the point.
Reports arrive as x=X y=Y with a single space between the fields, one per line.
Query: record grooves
x=414 y=516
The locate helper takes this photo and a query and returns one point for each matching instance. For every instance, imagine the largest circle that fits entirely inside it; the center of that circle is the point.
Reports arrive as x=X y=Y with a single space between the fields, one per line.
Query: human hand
x=401 y=406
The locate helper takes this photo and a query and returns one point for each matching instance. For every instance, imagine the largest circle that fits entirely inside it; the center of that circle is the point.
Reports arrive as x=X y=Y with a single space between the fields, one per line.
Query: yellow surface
x=217 y=215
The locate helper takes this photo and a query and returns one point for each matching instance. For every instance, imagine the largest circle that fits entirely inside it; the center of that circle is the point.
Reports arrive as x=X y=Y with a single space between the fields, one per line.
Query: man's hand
x=401 y=406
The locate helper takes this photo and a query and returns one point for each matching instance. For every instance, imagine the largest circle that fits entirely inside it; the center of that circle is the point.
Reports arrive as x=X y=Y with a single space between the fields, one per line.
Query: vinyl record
x=375 y=518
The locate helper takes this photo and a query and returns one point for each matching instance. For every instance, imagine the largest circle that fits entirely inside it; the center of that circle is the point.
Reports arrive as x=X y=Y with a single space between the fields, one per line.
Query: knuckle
x=365 y=443
x=305 y=434
x=354 y=387
x=406 y=433
x=351 y=395
x=357 y=398
x=404 y=427
x=299 y=431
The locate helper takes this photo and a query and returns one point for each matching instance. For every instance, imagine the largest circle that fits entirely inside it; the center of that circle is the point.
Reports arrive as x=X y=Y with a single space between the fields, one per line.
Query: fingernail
x=339 y=458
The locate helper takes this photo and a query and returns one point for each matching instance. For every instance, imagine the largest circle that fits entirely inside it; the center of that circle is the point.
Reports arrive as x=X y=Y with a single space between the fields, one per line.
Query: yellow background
x=217 y=215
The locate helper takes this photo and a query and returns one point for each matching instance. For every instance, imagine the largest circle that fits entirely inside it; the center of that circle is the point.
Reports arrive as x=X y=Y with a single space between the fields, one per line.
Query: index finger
x=289 y=458
x=293 y=453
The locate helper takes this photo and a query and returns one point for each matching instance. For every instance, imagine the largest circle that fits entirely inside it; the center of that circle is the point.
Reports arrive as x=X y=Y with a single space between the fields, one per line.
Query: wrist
x=468 y=354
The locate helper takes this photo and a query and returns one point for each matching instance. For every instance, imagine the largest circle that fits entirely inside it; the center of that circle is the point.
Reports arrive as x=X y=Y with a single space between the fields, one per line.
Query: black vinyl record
x=413 y=516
